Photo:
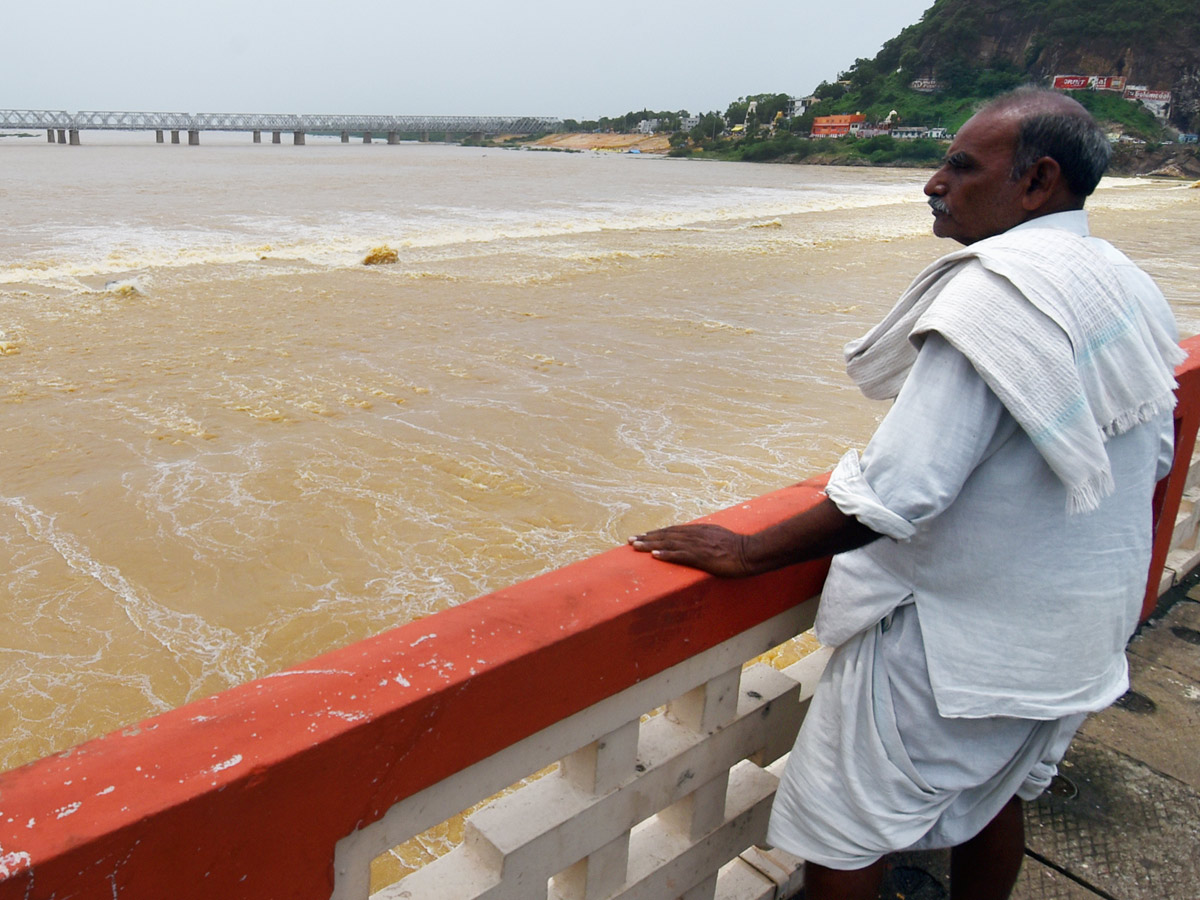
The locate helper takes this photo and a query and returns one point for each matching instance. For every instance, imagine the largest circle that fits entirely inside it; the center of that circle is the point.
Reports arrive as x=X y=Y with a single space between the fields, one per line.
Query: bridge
x=64 y=127
x=633 y=676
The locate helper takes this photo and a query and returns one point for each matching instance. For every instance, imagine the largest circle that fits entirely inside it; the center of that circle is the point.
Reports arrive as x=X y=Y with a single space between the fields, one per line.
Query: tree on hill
x=710 y=126
x=667 y=120
x=766 y=108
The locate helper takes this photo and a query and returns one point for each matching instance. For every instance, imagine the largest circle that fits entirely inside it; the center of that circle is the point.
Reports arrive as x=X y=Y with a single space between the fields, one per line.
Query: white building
x=798 y=106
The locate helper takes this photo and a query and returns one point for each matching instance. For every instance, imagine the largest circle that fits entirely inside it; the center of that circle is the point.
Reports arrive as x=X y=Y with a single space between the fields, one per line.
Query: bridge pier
x=393 y=137
x=193 y=138
x=275 y=137
x=158 y=136
x=298 y=138
x=62 y=135
x=345 y=137
x=50 y=135
x=257 y=136
x=174 y=137
x=74 y=138
x=367 y=137
x=424 y=137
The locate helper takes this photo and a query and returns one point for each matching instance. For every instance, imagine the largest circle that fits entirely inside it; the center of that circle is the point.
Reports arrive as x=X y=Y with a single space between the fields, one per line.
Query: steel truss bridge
x=63 y=121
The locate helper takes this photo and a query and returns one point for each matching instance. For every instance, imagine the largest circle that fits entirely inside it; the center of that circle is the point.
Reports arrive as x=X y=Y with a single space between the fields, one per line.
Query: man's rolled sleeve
x=850 y=491
x=943 y=424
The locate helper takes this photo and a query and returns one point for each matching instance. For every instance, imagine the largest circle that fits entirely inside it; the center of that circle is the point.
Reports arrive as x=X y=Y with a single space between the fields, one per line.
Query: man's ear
x=1043 y=184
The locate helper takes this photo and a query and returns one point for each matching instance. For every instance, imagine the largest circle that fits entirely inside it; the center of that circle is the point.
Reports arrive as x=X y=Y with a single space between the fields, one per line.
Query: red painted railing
x=1169 y=495
x=245 y=794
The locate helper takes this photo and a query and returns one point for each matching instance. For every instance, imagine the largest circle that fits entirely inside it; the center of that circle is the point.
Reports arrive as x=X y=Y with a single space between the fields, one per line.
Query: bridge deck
x=97 y=120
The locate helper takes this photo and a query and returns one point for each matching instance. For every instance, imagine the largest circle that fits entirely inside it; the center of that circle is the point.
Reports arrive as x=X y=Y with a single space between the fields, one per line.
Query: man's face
x=973 y=195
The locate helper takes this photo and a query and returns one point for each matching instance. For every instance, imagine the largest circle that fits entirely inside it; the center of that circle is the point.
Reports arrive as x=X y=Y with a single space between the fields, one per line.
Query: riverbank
x=1166 y=160
x=616 y=142
x=1130 y=160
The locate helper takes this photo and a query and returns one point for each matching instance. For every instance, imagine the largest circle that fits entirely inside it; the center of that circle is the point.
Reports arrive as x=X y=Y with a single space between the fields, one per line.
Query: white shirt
x=1024 y=610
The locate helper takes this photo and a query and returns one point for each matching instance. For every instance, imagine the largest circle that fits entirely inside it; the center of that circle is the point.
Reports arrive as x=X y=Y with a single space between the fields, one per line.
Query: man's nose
x=935 y=186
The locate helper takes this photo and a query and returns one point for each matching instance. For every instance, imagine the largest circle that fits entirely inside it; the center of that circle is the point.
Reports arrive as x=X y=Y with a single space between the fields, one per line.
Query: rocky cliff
x=1150 y=42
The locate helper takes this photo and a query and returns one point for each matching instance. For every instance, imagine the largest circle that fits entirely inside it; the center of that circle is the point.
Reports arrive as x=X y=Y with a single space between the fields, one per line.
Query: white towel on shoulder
x=1075 y=360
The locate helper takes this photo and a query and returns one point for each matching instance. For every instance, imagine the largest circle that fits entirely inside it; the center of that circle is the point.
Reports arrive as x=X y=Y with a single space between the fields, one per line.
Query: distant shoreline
x=616 y=142
x=1181 y=161
x=1166 y=160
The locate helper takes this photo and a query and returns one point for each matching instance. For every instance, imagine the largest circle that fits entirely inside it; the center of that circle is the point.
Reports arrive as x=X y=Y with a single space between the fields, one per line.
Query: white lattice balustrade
x=642 y=806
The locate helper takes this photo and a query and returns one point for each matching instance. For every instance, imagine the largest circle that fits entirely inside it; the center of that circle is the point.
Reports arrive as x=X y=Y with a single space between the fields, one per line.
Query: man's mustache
x=938 y=205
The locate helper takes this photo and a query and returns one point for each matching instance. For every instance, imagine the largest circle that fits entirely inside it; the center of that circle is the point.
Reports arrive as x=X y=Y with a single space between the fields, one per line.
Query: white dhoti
x=876 y=769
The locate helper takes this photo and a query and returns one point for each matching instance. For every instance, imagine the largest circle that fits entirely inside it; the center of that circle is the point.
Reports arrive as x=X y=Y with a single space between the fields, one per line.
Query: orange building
x=836 y=126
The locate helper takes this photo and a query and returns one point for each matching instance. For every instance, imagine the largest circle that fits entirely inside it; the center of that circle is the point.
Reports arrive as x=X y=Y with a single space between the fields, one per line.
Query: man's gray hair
x=1054 y=125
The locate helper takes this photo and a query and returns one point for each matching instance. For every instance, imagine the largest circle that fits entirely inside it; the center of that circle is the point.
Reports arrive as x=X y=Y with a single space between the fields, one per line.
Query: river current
x=226 y=445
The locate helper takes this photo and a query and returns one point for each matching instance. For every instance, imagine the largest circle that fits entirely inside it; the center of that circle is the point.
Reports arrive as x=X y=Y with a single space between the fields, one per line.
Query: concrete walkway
x=1122 y=820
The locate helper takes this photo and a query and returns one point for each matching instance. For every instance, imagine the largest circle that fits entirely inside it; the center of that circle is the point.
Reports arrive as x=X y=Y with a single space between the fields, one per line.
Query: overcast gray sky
x=434 y=57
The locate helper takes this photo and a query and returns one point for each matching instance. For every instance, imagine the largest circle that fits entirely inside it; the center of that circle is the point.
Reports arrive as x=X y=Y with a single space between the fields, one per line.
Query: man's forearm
x=820 y=531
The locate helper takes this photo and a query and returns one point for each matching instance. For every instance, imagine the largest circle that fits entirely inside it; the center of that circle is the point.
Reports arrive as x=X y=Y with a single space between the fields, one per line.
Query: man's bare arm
x=820 y=531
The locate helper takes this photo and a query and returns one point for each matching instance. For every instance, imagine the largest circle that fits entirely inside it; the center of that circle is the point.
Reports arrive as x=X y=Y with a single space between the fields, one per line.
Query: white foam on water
x=187 y=636
x=64 y=254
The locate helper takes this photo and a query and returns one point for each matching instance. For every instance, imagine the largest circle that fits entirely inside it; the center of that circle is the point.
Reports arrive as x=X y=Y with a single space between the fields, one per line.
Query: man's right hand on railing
x=820 y=531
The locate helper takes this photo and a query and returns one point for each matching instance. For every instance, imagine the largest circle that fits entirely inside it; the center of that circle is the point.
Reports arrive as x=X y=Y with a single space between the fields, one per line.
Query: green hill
x=974 y=49
x=962 y=53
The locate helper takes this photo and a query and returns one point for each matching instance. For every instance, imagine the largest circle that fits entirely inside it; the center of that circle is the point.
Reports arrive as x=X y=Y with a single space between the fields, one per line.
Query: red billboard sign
x=1072 y=82
x=1089 y=82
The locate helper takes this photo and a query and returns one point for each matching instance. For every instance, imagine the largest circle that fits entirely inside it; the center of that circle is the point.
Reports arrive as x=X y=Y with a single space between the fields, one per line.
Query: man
x=995 y=535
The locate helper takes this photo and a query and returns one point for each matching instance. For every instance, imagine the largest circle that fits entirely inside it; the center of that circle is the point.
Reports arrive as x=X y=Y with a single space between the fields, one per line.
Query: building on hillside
x=910 y=132
x=798 y=106
x=687 y=123
x=836 y=126
x=938 y=133
x=647 y=126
